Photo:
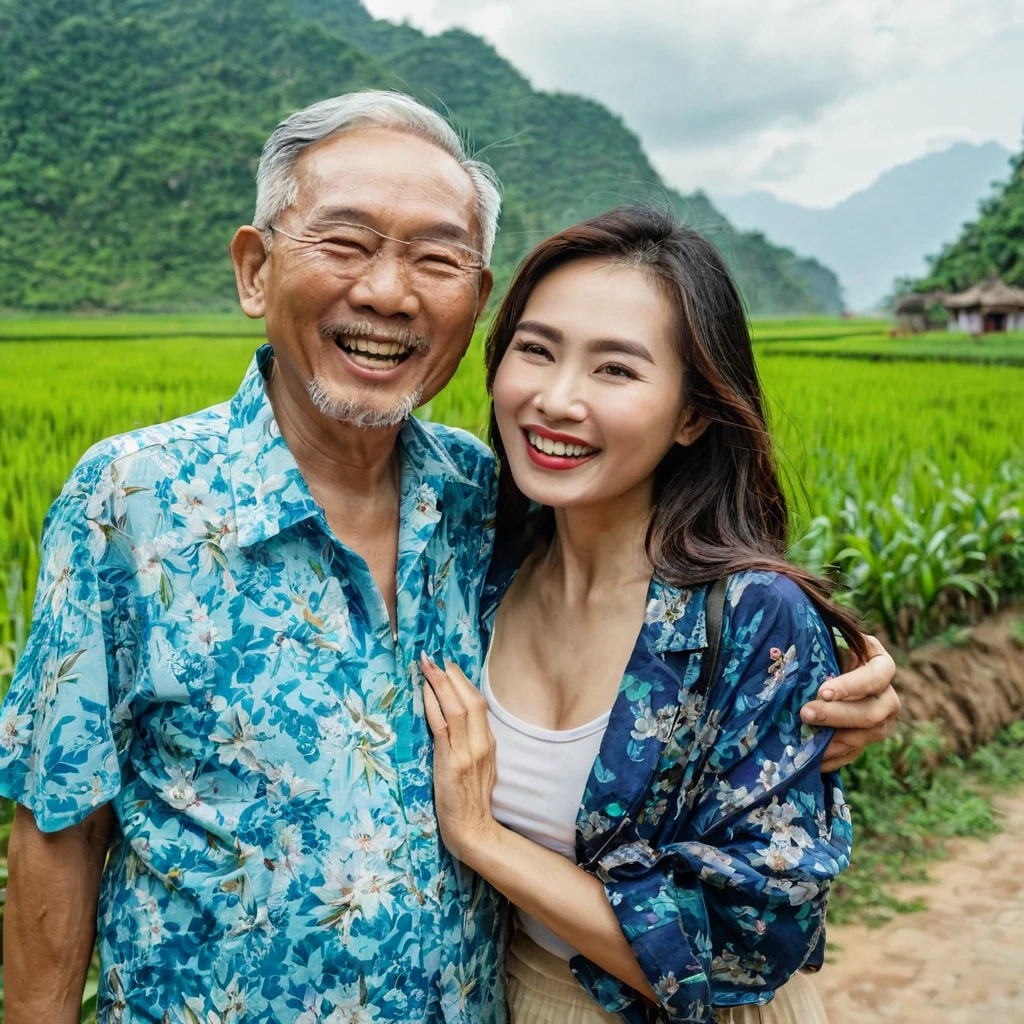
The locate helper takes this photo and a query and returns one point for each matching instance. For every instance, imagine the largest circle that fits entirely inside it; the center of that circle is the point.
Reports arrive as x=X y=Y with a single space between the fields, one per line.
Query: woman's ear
x=691 y=426
x=249 y=255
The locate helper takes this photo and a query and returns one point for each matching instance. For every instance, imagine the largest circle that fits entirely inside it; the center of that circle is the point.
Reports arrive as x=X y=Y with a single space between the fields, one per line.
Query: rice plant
x=906 y=478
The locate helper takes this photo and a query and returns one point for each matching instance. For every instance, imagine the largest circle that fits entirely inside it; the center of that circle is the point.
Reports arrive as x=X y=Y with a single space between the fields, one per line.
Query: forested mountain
x=992 y=244
x=130 y=131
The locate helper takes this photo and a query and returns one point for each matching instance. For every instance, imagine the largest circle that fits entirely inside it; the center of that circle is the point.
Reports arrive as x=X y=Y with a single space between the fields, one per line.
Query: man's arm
x=50 y=916
x=861 y=705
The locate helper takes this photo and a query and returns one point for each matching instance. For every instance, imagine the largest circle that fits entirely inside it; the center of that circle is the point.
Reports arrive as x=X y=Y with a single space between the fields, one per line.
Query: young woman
x=668 y=843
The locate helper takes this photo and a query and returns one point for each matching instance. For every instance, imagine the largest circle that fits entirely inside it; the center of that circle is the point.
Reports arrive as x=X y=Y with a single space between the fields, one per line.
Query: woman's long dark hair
x=718 y=506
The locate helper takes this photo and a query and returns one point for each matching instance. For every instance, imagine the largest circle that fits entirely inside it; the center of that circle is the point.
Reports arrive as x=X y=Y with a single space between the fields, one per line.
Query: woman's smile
x=551 y=449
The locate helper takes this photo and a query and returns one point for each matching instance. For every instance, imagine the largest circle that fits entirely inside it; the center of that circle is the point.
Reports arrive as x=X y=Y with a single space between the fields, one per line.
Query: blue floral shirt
x=207 y=655
x=709 y=820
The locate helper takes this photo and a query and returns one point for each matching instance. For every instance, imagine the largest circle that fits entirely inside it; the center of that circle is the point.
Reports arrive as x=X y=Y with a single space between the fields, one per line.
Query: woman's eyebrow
x=544 y=330
x=623 y=346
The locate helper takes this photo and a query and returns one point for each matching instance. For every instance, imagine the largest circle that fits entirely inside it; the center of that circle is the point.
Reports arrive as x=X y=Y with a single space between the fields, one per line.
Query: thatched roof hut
x=914 y=311
x=990 y=306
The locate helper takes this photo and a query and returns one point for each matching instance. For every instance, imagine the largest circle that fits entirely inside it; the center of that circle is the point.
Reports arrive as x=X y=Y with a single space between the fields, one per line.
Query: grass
x=990 y=349
x=870 y=451
x=51 y=328
x=1017 y=632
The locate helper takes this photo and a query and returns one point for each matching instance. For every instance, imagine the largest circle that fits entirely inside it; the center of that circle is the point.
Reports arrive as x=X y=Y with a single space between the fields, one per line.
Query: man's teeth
x=374 y=354
x=377 y=348
x=549 y=447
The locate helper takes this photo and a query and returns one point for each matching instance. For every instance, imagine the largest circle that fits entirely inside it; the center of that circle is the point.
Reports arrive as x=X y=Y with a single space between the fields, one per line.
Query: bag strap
x=714 y=610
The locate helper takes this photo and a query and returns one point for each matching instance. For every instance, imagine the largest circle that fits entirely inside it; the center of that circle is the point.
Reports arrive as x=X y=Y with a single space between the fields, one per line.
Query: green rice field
x=907 y=474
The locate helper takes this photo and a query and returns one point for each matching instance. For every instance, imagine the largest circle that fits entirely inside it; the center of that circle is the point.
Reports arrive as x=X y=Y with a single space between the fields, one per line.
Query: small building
x=986 y=308
x=915 y=312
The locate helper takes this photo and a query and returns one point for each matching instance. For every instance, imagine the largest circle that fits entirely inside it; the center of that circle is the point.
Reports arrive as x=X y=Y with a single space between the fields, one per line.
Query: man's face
x=368 y=336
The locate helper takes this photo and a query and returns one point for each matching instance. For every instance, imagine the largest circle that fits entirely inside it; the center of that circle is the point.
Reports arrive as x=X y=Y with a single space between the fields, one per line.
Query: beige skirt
x=543 y=990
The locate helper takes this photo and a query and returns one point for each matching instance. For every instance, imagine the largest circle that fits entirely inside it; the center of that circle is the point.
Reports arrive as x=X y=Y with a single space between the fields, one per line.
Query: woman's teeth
x=549 y=447
x=374 y=355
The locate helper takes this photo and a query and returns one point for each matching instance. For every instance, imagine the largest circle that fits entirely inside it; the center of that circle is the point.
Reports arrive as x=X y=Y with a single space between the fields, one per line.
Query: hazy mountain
x=886 y=230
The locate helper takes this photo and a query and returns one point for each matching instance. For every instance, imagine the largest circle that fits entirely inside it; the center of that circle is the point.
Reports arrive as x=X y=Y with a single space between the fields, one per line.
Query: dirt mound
x=971 y=689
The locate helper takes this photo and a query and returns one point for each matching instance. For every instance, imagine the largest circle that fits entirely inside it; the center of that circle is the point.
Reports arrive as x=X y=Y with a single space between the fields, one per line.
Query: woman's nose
x=561 y=399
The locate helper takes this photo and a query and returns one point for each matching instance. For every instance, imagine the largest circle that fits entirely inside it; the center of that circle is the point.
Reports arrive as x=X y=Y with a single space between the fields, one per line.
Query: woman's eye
x=531 y=348
x=617 y=370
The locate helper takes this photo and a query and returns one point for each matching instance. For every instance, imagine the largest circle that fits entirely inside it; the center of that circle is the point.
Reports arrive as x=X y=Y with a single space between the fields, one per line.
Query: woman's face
x=588 y=396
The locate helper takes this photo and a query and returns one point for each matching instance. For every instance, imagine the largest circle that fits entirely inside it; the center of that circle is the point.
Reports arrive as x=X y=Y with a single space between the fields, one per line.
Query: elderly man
x=215 y=734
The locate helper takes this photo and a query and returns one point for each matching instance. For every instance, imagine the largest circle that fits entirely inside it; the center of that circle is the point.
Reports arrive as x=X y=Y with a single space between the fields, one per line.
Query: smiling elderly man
x=220 y=688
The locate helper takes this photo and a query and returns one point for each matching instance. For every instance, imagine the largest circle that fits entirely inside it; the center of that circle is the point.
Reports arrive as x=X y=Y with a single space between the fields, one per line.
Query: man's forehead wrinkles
x=388 y=175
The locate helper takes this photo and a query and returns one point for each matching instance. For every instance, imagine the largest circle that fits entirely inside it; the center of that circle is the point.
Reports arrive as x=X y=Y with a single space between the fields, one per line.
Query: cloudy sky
x=808 y=99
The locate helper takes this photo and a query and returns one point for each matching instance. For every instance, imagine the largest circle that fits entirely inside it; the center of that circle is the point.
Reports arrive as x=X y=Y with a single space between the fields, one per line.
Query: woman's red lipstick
x=546 y=461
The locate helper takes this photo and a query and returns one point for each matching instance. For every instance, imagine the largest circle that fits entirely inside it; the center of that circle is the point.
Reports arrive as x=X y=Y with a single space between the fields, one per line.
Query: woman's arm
x=539 y=881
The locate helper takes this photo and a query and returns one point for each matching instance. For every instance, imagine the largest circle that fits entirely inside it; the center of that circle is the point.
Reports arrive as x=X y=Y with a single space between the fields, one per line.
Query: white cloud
x=811 y=99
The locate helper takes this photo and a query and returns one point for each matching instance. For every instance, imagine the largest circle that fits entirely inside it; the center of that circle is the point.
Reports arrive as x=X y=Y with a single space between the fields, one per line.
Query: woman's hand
x=464 y=764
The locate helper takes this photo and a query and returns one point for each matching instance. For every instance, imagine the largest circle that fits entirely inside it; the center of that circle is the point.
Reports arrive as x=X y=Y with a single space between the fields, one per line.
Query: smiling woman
x=659 y=816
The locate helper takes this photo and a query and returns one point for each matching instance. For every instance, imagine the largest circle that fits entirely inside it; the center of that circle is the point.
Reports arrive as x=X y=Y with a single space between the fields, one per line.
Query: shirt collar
x=426 y=457
x=270 y=494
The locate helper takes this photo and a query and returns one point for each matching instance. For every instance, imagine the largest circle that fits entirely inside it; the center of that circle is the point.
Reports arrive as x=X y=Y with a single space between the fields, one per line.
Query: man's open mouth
x=372 y=354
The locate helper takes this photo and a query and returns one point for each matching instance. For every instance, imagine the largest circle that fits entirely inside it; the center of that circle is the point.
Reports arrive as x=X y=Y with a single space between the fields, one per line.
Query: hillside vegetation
x=992 y=244
x=130 y=132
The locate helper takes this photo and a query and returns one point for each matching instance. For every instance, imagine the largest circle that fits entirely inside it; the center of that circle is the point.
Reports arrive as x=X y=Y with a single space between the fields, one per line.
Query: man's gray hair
x=276 y=184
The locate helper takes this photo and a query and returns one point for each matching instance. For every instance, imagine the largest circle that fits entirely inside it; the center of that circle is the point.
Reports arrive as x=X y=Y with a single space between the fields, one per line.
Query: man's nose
x=384 y=288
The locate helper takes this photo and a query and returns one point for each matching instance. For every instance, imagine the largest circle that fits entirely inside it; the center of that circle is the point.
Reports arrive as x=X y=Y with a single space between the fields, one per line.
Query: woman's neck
x=600 y=546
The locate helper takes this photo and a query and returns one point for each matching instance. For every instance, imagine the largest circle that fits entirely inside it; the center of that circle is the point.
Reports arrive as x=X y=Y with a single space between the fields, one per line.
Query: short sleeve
x=57 y=753
x=728 y=902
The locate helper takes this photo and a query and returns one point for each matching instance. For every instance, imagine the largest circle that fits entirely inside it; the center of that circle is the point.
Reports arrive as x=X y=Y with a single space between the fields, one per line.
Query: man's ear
x=486 y=284
x=249 y=255
x=691 y=426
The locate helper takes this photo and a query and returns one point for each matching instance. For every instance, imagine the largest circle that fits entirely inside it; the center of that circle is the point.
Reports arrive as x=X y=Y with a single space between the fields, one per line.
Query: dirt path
x=959 y=962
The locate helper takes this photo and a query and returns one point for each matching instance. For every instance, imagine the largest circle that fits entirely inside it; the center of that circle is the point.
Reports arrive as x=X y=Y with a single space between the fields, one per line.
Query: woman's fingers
x=434 y=715
x=454 y=711
x=477 y=727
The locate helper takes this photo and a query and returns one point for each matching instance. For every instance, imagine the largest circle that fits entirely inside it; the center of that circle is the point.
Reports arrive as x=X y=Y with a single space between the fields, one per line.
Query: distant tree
x=992 y=244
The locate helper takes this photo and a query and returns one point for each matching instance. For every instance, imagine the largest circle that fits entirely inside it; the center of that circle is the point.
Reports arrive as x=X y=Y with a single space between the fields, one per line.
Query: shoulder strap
x=714 y=610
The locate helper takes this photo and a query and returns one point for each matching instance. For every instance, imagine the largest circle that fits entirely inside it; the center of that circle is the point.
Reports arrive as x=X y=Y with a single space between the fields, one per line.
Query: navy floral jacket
x=709 y=821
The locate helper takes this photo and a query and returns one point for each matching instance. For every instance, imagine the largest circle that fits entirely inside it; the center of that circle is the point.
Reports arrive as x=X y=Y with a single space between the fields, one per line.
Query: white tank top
x=542 y=774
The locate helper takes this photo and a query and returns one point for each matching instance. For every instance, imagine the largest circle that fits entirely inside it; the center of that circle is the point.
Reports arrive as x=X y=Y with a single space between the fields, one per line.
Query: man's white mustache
x=381 y=332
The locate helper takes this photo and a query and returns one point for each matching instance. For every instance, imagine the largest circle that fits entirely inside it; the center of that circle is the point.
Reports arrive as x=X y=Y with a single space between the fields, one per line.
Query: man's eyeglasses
x=352 y=249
